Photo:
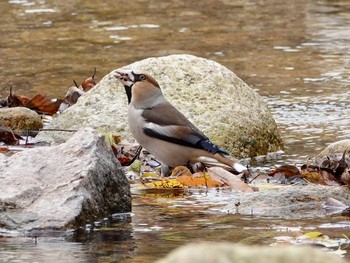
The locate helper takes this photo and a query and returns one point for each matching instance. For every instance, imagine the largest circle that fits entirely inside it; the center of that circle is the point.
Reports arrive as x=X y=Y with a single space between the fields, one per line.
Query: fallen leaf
x=4 y=149
x=319 y=176
x=221 y=175
x=89 y=83
x=166 y=184
x=180 y=170
x=149 y=175
x=287 y=170
x=136 y=166
x=41 y=104
x=313 y=235
x=8 y=136
x=124 y=161
x=15 y=101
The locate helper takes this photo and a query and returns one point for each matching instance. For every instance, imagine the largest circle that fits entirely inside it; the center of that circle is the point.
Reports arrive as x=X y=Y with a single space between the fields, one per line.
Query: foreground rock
x=288 y=201
x=20 y=118
x=230 y=252
x=58 y=187
x=228 y=111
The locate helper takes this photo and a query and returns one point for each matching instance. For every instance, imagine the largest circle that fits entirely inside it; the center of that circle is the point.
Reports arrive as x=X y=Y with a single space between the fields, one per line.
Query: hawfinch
x=164 y=131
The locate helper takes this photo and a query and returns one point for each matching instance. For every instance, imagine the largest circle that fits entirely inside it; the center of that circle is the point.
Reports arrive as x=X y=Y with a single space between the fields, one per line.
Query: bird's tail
x=218 y=159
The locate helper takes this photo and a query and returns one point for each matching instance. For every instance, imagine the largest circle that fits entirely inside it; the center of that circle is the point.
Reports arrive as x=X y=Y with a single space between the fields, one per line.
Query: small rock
x=289 y=201
x=20 y=118
x=210 y=252
x=62 y=186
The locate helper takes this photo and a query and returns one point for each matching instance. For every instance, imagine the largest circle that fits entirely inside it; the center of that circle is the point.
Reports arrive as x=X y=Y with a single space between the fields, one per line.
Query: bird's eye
x=142 y=77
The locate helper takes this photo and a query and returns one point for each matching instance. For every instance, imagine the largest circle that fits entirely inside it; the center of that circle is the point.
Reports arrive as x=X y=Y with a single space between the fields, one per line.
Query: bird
x=163 y=130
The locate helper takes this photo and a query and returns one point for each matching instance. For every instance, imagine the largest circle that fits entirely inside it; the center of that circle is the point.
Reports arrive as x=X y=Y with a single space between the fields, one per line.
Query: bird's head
x=139 y=86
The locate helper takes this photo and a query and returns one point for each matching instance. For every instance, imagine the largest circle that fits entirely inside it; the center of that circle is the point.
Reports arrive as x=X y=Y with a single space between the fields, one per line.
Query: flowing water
x=295 y=54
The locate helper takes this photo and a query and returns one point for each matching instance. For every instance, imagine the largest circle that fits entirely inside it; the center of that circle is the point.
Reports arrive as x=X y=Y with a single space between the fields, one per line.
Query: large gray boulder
x=228 y=111
x=62 y=186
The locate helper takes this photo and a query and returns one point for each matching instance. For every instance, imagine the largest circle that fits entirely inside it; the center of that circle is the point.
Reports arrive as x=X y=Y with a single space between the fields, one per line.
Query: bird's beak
x=125 y=76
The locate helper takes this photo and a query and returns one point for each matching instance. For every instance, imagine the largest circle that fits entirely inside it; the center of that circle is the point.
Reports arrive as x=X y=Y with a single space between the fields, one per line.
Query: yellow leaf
x=149 y=175
x=167 y=183
x=312 y=235
x=206 y=176
x=110 y=138
x=136 y=166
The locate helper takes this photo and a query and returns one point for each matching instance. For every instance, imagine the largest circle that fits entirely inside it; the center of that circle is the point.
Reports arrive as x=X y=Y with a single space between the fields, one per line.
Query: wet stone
x=62 y=186
x=20 y=118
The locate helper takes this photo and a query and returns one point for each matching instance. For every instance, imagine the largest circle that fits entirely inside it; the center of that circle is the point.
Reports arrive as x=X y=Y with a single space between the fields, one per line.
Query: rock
x=20 y=118
x=336 y=147
x=289 y=201
x=62 y=186
x=225 y=108
x=210 y=252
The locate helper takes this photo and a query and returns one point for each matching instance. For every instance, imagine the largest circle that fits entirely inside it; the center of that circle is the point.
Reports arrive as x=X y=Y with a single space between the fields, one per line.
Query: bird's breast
x=137 y=124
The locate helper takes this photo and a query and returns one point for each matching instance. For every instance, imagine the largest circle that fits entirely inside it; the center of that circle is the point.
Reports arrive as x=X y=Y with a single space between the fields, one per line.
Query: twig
x=136 y=156
x=27 y=135
x=3 y=89
x=254 y=178
x=94 y=74
x=64 y=130
x=75 y=84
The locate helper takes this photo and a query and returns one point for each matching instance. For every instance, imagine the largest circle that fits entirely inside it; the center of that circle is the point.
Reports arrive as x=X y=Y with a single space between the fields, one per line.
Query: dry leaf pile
x=44 y=105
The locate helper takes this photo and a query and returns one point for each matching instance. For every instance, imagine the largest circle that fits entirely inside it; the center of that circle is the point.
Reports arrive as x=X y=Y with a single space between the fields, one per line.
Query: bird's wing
x=166 y=123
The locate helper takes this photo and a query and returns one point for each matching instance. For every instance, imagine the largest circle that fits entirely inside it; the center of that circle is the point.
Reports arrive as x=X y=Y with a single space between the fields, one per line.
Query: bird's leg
x=164 y=170
x=196 y=167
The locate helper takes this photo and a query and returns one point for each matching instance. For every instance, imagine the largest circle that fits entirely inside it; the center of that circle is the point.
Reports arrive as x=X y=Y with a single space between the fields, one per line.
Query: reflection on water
x=45 y=250
x=295 y=54
x=162 y=222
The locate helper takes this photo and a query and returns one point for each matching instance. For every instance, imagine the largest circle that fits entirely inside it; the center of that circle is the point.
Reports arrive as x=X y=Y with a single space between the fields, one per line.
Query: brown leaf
x=16 y=101
x=319 y=176
x=42 y=104
x=89 y=83
x=8 y=136
x=287 y=170
x=181 y=170
x=4 y=149
x=222 y=175
x=124 y=161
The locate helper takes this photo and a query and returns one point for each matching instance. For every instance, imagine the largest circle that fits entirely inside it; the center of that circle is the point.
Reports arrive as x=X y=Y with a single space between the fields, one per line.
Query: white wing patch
x=169 y=130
